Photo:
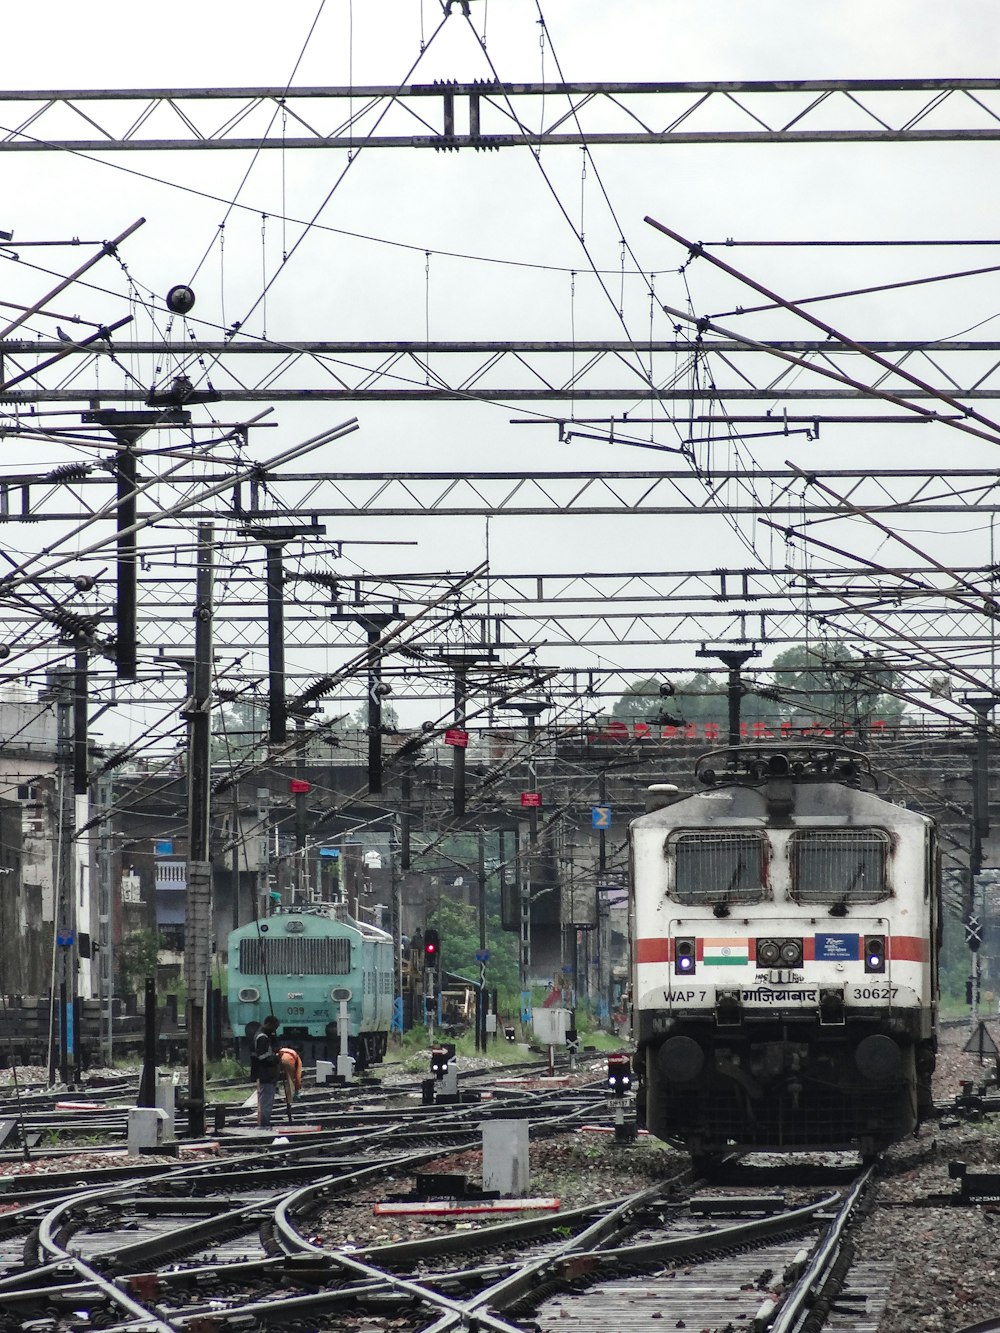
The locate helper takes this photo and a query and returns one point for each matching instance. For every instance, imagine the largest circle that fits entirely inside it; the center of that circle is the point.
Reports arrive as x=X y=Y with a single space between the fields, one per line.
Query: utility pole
x=105 y=920
x=198 y=916
x=396 y=927
x=531 y=710
x=983 y=704
x=458 y=752
x=263 y=849
x=602 y=866
x=273 y=538
x=374 y=625
x=80 y=848
x=237 y=843
x=301 y=790
x=128 y=427
x=481 y=992
x=734 y=659
x=125 y=596
x=460 y=664
x=64 y=948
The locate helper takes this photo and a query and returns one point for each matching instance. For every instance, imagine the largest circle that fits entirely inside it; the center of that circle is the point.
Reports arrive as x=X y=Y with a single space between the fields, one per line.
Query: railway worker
x=265 y=1067
x=291 y=1075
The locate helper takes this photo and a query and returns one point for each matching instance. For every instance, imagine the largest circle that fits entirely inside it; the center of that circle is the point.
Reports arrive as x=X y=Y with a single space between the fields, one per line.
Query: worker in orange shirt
x=290 y=1068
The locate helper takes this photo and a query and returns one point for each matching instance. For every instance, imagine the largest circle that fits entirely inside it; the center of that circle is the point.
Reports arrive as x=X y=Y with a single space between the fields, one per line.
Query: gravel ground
x=947 y=1257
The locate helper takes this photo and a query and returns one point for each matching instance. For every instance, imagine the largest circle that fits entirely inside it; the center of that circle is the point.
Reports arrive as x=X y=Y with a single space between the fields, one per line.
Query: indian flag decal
x=724 y=952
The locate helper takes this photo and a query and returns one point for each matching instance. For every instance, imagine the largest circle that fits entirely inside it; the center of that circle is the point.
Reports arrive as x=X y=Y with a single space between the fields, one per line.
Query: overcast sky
x=408 y=244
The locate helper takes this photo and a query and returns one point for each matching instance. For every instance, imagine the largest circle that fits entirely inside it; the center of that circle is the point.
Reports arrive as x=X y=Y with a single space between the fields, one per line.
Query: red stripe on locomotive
x=902 y=948
x=655 y=950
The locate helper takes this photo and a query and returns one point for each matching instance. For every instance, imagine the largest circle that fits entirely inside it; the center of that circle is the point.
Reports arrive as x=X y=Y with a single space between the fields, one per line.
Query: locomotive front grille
x=845 y=866
x=712 y=867
x=295 y=957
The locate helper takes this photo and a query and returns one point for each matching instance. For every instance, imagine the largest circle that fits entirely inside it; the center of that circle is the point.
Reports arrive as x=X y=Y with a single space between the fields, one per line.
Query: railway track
x=274 y=1231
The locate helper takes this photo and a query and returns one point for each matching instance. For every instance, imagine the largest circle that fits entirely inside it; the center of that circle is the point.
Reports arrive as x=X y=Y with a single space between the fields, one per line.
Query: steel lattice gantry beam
x=489 y=115
x=524 y=370
x=774 y=494
x=554 y=611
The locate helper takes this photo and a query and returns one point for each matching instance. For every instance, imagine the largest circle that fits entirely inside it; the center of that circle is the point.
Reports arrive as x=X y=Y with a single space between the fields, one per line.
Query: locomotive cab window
x=712 y=868
x=839 y=866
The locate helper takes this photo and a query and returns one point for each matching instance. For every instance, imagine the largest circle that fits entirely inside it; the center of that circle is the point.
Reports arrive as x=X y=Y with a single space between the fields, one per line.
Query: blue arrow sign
x=482 y=955
x=600 y=816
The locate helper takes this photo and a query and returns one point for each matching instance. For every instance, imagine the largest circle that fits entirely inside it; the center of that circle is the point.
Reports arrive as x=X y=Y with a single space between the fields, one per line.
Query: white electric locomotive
x=785 y=931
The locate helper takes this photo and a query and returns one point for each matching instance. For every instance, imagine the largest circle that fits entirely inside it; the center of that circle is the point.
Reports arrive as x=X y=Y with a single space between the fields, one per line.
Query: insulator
x=71 y=624
x=68 y=472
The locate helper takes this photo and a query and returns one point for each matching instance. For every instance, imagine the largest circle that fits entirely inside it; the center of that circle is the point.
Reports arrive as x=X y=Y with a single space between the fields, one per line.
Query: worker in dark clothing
x=265 y=1067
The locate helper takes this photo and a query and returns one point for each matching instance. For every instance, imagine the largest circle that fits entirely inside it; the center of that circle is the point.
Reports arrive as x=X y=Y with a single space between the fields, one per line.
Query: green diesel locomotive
x=303 y=964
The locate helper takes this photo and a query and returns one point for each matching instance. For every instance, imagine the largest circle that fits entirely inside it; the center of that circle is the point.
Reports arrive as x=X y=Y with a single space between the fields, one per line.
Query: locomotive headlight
x=684 y=957
x=791 y=953
x=768 y=953
x=874 y=953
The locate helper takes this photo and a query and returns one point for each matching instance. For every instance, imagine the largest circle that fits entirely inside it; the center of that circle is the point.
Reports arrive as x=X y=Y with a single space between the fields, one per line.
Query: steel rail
x=49 y=1243
x=823 y=1258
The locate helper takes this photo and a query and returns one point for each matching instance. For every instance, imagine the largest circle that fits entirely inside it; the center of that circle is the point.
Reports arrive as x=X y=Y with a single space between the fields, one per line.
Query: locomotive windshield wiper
x=735 y=881
x=737 y=875
x=859 y=874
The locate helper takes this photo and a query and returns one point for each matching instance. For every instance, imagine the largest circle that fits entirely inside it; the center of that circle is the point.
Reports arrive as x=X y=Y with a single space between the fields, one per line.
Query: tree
x=358 y=720
x=239 y=731
x=702 y=698
x=458 y=926
x=645 y=700
x=827 y=683
x=135 y=960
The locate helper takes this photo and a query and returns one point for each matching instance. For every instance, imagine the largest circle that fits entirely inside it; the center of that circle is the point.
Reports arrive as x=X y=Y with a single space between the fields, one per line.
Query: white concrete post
x=145 y=1128
x=164 y=1095
x=506 y=1163
x=345 y=1062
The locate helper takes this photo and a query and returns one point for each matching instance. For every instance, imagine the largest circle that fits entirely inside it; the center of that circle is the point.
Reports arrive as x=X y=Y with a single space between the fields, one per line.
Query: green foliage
x=227 y=1068
x=239 y=731
x=702 y=698
x=823 y=682
x=416 y=1047
x=135 y=960
x=643 y=702
x=827 y=683
x=458 y=926
x=358 y=720
x=955 y=963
